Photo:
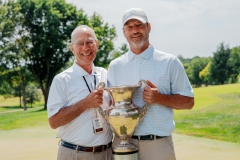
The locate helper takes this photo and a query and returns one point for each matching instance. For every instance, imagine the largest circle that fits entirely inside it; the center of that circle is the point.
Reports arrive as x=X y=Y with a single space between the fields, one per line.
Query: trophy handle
x=103 y=85
x=144 y=109
x=104 y=113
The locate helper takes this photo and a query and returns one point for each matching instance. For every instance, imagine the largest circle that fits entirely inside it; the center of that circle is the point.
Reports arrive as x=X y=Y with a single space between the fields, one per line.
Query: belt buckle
x=93 y=151
x=60 y=143
x=76 y=148
x=153 y=137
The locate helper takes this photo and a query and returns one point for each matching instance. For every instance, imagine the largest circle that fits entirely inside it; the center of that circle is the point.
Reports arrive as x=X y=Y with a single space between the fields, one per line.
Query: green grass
x=216 y=114
x=12 y=116
x=8 y=104
x=22 y=119
x=12 y=104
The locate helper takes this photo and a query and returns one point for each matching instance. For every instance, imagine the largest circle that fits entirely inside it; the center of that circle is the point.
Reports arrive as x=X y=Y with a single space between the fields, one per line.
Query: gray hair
x=81 y=27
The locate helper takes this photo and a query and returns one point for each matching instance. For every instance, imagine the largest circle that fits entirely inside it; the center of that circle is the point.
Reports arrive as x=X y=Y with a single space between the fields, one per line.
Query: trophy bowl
x=123 y=117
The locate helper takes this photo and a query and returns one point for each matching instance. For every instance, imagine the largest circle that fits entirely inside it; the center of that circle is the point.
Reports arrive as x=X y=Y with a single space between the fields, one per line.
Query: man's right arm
x=67 y=114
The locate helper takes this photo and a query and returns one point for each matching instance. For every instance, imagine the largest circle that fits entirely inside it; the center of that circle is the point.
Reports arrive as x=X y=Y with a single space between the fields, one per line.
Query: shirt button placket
x=138 y=60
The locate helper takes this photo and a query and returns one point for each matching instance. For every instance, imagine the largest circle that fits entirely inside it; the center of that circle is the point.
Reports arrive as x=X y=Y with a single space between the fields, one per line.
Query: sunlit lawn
x=216 y=114
x=13 y=104
x=13 y=116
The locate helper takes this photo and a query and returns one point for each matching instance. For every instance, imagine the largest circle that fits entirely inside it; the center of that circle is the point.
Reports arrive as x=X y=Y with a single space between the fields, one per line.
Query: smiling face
x=84 y=46
x=137 y=35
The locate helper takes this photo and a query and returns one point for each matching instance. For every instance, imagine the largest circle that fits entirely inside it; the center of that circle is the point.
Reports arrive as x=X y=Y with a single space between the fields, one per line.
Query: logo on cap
x=132 y=12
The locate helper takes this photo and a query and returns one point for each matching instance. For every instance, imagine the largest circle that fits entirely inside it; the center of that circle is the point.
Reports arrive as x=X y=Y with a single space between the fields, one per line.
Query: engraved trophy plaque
x=123 y=117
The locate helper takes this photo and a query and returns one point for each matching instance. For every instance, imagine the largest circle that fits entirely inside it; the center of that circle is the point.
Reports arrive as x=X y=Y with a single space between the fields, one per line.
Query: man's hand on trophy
x=150 y=93
x=95 y=98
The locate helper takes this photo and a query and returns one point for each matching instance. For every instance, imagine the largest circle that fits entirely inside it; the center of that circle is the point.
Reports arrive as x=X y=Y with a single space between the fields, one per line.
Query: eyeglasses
x=81 y=44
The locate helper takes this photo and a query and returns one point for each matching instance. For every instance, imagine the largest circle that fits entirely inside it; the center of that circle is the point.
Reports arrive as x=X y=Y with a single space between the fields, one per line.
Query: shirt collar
x=146 y=54
x=81 y=72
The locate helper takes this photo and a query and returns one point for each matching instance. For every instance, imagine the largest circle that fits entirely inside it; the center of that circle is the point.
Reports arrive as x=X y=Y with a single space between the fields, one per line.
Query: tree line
x=222 y=68
x=34 y=47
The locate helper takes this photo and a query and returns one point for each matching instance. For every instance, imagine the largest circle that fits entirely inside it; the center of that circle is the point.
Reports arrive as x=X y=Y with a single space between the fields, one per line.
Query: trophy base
x=125 y=150
x=125 y=155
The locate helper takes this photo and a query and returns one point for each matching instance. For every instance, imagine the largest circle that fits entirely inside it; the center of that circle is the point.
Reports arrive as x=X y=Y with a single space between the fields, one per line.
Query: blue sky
x=180 y=27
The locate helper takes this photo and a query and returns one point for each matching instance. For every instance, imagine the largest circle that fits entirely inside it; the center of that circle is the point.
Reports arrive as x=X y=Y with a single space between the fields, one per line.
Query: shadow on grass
x=40 y=110
x=17 y=108
x=11 y=107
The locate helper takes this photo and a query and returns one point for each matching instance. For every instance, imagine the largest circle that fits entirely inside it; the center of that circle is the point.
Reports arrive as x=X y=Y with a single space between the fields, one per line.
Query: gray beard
x=137 y=45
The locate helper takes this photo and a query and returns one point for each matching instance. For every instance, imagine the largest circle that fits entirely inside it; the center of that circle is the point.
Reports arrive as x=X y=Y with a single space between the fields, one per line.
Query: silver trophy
x=123 y=117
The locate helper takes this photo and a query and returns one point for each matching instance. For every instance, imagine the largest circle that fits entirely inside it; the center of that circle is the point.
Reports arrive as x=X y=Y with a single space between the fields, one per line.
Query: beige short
x=70 y=154
x=159 y=149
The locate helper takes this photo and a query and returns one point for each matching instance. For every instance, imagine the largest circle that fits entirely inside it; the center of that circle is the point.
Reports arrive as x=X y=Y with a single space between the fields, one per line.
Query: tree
x=6 y=90
x=234 y=64
x=219 y=68
x=194 y=68
x=32 y=94
x=13 y=46
x=105 y=36
x=120 y=51
x=13 y=84
x=42 y=30
x=49 y=24
x=204 y=75
x=185 y=60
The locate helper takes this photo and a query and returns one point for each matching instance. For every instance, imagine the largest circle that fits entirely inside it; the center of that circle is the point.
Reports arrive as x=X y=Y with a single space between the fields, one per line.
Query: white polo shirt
x=67 y=89
x=162 y=69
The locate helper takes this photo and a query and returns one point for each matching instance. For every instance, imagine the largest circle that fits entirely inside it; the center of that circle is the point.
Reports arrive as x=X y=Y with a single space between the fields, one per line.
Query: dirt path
x=194 y=148
x=41 y=144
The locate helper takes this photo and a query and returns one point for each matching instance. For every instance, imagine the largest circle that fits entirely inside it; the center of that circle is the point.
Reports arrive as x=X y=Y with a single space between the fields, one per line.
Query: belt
x=86 y=149
x=148 y=137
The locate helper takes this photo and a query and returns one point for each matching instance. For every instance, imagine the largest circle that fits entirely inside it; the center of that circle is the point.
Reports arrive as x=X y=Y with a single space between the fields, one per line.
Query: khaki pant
x=159 y=149
x=70 y=154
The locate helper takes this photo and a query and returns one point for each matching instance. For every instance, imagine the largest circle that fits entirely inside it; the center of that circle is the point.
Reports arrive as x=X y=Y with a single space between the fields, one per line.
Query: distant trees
x=6 y=90
x=32 y=94
x=13 y=82
x=220 y=68
x=223 y=67
x=194 y=68
x=205 y=74
x=123 y=49
x=234 y=64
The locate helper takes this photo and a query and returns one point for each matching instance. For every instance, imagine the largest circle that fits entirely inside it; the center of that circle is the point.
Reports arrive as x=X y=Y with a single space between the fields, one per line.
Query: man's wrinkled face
x=84 y=46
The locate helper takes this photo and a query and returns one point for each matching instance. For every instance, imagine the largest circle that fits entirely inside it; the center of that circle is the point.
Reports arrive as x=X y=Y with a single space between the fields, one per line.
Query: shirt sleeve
x=179 y=82
x=56 y=97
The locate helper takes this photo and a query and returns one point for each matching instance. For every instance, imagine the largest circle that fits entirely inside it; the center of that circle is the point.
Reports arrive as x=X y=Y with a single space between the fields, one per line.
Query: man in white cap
x=168 y=87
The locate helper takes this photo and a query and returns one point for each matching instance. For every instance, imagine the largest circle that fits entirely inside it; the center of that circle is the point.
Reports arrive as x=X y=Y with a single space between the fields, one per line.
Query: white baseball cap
x=135 y=13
